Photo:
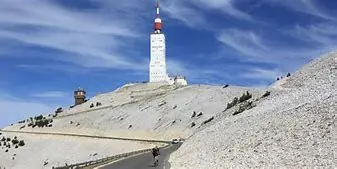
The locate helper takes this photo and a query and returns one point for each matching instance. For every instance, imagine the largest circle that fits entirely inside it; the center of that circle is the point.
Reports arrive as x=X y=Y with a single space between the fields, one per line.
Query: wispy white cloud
x=322 y=34
x=91 y=38
x=262 y=74
x=225 y=6
x=246 y=42
x=51 y=94
x=251 y=46
x=179 y=10
x=191 y=12
x=305 y=6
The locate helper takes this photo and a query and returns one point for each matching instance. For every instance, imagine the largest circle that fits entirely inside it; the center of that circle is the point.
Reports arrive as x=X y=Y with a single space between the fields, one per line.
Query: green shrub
x=16 y=146
x=200 y=114
x=233 y=103
x=245 y=96
x=266 y=94
x=21 y=143
x=15 y=141
x=6 y=150
x=162 y=104
x=40 y=117
x=92 y=105
x=3 y=139
x=240 y=110
x=194 y=114
x=193 y=124
x=207 y=121
x=243 y=107
x=42 y=123
x=23 y=121
x=59 y=110
x=8 y=139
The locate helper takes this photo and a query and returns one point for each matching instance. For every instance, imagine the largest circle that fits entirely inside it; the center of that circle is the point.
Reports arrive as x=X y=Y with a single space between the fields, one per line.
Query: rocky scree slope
x=293 y=127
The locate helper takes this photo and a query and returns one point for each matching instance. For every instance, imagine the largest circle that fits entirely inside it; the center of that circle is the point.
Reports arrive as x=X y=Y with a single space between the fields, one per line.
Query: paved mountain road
x=144 y=161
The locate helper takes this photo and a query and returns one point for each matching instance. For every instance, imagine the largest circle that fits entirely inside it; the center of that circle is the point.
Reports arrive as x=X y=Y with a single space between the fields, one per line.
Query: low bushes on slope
x=246 y=96
x=243 y=107
x=193 y=124
x=21 y=143
x=266 y=94
x=233 y=103
x=207 y=121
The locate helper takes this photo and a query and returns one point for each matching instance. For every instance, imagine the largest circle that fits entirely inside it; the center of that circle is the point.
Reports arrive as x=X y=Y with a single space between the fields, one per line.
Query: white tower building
x=158 y=72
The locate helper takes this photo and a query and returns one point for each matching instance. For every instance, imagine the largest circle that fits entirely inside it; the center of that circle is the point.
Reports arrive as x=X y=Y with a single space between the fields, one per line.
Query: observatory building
x=157 y=69
x=79 y=96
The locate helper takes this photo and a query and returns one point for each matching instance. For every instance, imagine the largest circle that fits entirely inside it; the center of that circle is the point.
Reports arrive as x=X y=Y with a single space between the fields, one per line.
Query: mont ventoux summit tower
x=158 y=72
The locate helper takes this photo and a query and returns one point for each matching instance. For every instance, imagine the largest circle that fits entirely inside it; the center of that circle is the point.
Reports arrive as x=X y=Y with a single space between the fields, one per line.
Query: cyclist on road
x=155 y=153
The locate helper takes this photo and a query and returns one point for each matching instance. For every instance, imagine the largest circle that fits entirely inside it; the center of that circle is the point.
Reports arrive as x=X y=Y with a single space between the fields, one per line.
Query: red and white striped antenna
x=157 y=21
x=158 y=9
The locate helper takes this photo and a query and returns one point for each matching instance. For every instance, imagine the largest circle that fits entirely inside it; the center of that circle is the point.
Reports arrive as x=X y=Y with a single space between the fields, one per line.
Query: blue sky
x=48 y=48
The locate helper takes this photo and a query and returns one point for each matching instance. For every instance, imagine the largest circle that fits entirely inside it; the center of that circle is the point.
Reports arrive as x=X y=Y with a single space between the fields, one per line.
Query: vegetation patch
x=194 y=114
x=23 y=121
x=21 y=143
x=233 y=103
x=225 y=86
x=40 y=117
x=98 y=104
x=58 y=110
x=207 y=121
x=200 y=114
x=266 y=94
x=15 y=141
x=246 y=96
x=193 y=124
x=162 y=104
x=243 y=107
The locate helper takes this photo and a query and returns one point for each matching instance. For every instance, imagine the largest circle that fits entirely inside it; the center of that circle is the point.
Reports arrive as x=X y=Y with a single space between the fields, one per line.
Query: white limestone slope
x=294 y=127
x=155 y=111
x=59 y=150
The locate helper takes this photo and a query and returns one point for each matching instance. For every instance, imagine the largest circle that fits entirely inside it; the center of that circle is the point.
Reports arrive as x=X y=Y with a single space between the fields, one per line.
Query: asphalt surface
x=145 y=161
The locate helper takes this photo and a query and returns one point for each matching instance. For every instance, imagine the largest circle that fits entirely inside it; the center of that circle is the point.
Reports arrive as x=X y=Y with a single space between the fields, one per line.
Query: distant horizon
x=102 y=45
